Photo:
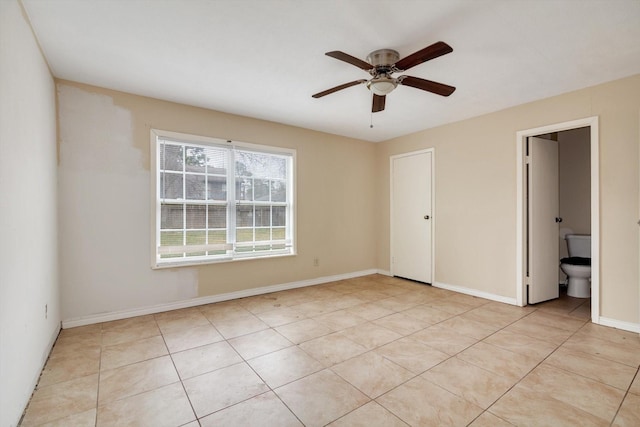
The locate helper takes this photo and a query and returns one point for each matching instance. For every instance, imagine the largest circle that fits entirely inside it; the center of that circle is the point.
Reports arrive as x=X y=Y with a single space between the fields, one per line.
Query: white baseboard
x=619 y=324
x=476 y=293
x=385 y=273
x=125 y=314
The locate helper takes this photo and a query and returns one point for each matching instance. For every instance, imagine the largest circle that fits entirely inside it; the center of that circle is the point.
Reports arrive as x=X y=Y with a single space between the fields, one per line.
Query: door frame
x=433 y=207
x=521 y=138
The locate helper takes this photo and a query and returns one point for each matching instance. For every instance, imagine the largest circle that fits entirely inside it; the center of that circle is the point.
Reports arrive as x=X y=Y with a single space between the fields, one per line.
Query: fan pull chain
x=371 y=123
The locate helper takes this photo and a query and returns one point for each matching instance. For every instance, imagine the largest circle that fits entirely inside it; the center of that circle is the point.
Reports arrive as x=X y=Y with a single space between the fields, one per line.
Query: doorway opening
x=577 y=221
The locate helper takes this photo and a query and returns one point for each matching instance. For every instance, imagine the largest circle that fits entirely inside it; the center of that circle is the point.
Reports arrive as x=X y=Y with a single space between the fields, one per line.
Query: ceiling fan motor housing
x=383 y=58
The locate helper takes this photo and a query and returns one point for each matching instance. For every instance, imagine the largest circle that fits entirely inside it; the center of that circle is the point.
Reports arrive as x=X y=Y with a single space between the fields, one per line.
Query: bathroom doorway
x=573 y=146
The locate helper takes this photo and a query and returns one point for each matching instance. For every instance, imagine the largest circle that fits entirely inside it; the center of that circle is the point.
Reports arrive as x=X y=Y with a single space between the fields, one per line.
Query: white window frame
x=157 y=137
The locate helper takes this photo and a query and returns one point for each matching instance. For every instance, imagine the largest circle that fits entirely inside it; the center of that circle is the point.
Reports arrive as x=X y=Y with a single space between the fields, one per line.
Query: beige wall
x=343 y=198
x=475 y=207
x=104 y=187
x=28 y=247
x=574 y=159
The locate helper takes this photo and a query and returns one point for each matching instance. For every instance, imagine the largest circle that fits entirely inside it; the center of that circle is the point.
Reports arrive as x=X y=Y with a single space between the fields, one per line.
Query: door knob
x=558 y=219
x=426 y=217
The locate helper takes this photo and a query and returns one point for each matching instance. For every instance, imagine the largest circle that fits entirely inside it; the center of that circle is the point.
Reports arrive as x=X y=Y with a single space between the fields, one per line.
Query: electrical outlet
x=316 y=262
x=46 y=310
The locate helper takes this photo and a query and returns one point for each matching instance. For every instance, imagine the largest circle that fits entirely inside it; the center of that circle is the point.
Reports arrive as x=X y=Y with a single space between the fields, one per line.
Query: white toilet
x=577 y=266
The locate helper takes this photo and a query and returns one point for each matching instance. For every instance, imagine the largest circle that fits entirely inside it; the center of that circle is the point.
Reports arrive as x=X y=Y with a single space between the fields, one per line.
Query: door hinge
x=527 y=160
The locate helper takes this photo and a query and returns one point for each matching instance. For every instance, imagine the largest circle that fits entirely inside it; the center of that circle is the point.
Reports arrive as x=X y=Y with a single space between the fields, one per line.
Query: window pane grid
x=201 y=218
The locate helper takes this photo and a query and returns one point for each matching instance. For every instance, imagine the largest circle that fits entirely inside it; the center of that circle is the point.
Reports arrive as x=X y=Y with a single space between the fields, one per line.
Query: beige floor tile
x=191 y=338
x=521 y=344
x=339 y=320
x=61 y=400
x=372 y=374
x=332 y=349
x=563 y=305
x=240 y=326
x=369 y=295
x=343 y=301
x=219 y=389
x=490 y=317
x=509 y=309
x=283 y=366
x=412 y=355
x=610 y=350
x=71 y=344
x=95 y=328
x=264 y=410
x=557 y=321
x=419 y=402
x=124 y=354
x=402 y=324
x=206 y=358
x=136 y=378
x=536 y=330
x=369 y=311
x=224 y=311
x=583 y=393
x=370 y=335
x=261 y=303
x=66 y=367
x=585 y=368
x=629 y=413
x=303 y=330
x=582 y=312
x=280 y=316
x=428 y=314
x=398 y=303
x=446 y=340
x=468 y=300
x=487 y=419
x=130 y=322
x=635 y=385
x=313 y=308
x=82 y=419
x=511 y=365
x=602 y=370
x=187 y=319
x=259 y=343
x=614 y=335
x=453 y=308
x=468 y=327
x=166 y=406
x=522 y=406
x=468 y=381
x=321 y=398
x=369 y=415
x=119 y=332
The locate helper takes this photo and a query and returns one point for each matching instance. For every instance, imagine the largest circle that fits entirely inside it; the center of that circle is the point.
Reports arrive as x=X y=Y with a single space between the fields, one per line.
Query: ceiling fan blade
x=350 y=59
x=378 y=103
x=430 y=52
x=337 y=88
x=428 y=85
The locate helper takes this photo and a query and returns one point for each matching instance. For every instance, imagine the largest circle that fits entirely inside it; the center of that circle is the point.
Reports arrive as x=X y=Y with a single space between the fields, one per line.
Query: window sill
x=196 y=263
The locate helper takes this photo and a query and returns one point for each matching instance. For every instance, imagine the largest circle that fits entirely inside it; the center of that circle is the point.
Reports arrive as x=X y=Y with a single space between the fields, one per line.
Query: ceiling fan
x=382 y=63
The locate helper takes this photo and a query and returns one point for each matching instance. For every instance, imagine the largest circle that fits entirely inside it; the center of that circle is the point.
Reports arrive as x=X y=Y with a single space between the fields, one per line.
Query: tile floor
x=370 y=351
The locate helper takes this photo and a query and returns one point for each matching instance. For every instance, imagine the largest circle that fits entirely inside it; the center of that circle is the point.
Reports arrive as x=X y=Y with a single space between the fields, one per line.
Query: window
x=219 y=200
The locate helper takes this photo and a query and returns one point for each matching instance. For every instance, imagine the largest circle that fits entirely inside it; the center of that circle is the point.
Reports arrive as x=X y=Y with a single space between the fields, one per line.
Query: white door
x=543 y=211
x=411 y=216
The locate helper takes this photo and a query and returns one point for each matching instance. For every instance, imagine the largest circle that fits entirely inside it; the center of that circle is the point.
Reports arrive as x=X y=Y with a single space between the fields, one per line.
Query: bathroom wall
x=475 y=192
x=104 y=186
x=574 y=159
x=29 y=289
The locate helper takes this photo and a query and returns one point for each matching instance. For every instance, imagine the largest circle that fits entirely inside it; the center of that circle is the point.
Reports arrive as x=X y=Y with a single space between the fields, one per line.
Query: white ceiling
x=265 y=58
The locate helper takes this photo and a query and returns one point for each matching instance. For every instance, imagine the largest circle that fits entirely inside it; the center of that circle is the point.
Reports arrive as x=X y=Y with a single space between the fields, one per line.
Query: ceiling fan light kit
x=383 y=63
